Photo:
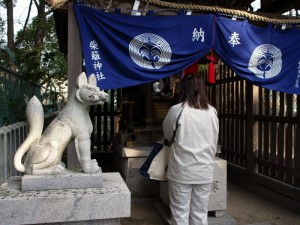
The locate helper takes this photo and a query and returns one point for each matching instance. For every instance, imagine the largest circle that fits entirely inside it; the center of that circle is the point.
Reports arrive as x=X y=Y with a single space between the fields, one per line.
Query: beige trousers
x=189 y=203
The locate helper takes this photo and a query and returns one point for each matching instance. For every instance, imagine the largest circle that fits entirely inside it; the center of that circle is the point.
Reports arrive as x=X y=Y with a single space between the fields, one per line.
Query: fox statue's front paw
x=91 y=167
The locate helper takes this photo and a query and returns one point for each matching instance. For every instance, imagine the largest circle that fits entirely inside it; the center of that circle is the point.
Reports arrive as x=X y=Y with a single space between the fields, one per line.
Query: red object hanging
x=211 y=72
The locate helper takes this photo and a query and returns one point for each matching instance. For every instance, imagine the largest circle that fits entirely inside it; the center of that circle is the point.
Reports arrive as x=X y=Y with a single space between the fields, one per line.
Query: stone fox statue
x=44 y=151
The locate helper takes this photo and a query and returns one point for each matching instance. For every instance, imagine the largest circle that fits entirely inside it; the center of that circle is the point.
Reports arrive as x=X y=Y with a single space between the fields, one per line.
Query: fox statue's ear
x=81 y=80
x=92 y=80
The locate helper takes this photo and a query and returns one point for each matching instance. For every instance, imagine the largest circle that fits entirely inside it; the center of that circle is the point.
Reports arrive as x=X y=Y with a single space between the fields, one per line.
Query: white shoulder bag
x=159 y=166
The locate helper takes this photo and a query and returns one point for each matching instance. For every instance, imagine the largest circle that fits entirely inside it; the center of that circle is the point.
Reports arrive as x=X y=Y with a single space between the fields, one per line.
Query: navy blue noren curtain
x=268 y=57
x=124 y=50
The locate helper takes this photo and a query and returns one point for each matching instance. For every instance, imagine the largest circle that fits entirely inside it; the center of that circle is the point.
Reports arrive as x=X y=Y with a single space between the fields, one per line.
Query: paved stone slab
x=70 y=179
x=70 y=206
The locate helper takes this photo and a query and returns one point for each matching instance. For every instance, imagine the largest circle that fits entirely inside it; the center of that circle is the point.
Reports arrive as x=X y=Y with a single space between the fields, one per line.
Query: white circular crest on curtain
x=266 y=61
x=150 y=51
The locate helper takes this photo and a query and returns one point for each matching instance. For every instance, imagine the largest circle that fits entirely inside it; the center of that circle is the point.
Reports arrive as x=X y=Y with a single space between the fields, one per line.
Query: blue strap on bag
x=156 y=149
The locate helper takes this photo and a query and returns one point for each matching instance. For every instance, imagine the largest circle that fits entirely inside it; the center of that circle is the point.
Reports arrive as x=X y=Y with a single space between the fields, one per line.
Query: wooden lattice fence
x=259 y=132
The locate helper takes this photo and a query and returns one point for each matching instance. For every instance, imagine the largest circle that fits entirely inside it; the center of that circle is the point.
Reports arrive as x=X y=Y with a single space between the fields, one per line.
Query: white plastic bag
x=159 y=165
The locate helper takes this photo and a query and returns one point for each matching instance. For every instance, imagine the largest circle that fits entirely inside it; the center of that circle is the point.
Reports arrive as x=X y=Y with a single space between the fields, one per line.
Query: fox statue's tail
x=35 y=120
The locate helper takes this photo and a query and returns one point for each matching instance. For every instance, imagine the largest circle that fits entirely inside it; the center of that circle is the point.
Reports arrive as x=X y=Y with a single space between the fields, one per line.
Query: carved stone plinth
x=69 y=179
x=88 y=206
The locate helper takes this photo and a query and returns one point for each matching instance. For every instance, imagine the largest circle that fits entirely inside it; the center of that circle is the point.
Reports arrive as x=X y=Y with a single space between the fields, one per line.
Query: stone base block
x=70 y=179
x=218 y=196
x=128 y=161
x=89 y=206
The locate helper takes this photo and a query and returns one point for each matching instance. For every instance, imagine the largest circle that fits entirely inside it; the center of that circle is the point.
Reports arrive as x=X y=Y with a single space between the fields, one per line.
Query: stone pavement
x=244 y=206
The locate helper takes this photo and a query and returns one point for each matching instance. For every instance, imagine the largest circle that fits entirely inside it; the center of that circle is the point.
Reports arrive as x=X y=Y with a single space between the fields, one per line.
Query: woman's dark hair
x=193 y=91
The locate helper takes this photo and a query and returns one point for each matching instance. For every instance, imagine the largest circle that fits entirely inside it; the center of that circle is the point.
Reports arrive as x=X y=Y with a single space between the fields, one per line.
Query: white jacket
x=195 y=144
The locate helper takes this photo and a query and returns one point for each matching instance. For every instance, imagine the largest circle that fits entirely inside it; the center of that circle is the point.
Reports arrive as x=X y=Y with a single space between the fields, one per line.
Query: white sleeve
x=169 y=123
x=215 y=125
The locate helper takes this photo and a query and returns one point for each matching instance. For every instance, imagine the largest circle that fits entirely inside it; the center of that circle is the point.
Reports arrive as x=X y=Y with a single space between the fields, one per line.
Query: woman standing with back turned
x=190 y=169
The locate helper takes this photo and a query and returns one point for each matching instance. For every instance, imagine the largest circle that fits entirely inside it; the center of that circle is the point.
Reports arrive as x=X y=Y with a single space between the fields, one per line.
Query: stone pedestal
x=88 y=206
x=69 y=179
x=128 y=161
x=218 y=195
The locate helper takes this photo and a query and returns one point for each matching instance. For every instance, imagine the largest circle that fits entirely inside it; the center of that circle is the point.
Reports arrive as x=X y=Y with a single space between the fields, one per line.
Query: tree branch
x=25 y=25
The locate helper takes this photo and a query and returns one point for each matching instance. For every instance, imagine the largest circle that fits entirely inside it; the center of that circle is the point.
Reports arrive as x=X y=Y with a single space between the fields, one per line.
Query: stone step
x=141 y=137
x=164 y=212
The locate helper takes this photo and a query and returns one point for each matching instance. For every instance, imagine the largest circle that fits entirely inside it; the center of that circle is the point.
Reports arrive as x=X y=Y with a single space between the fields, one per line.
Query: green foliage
x=37 y=58
x=202 y=67
x=43 y=64
x=2 y=39
x=17 y=108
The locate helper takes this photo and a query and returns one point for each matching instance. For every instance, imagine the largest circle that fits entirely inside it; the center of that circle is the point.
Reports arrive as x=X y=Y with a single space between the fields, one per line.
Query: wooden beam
x=74 y=69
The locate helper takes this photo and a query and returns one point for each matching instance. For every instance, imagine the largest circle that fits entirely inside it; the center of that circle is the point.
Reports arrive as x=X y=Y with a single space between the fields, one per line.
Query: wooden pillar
x=249 y=127
x=297 y=144
x=74 y=69
x=148 y=103
x=251 y=104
